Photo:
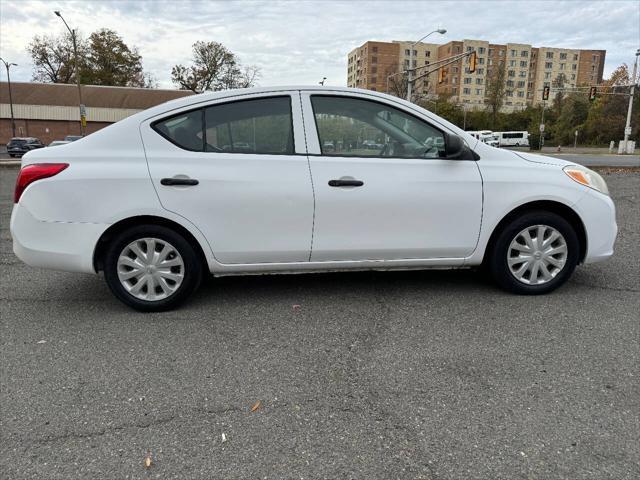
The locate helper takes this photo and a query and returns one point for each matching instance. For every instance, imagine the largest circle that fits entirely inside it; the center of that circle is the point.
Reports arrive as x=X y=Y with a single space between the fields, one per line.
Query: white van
x=513 y=139
x=486 y=136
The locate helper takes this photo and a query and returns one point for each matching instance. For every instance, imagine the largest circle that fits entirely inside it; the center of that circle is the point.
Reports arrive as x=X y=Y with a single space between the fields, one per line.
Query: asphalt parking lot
x=430 y=375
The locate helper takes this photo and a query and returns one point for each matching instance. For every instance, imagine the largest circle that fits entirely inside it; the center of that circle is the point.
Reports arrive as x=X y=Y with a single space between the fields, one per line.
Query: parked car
x=72 y=138
x=154 y=202
x=18 y=146
x=56 y=143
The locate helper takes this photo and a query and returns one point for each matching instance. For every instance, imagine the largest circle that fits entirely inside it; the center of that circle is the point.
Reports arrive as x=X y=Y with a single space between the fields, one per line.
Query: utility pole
x=541 y=143
x=13 y=121
x=77 y=70
x=627 y=127
x=441 y=31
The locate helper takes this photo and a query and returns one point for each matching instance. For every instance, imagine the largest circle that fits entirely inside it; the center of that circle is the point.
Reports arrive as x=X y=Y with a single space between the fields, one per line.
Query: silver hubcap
x=150 y=269
x=537 y=254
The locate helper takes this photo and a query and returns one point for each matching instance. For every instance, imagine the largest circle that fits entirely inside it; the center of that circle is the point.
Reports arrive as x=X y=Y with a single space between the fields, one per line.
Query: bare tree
x=397 y=81
x=496 y=89
x=214 y=68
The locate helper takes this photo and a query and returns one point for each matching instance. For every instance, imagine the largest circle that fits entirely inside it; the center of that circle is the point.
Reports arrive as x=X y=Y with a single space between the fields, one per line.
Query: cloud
x=299 y=42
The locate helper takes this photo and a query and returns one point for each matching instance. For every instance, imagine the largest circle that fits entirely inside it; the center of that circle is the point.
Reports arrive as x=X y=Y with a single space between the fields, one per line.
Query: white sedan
x=275 y=180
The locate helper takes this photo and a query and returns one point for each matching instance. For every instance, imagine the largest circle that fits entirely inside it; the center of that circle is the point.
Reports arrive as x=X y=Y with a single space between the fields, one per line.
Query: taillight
x=33 y=172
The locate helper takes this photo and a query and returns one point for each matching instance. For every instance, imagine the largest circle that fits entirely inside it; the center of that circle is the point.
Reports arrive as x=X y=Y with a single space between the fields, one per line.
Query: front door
x=383 y=190
x=237 y=170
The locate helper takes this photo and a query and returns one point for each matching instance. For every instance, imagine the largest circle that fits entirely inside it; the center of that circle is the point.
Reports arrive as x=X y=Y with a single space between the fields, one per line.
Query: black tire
x=192 y=267
x=498 y=264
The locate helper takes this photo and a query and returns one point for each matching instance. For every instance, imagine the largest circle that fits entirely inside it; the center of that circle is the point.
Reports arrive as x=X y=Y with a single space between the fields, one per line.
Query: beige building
x=528 y=69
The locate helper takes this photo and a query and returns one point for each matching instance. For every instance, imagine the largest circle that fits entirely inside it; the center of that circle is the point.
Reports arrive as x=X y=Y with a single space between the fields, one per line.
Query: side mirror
x=453 y=146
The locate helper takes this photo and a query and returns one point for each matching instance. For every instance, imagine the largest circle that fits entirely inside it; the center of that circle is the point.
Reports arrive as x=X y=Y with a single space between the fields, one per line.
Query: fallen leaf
x=147 y=461
x=256 y=406
x=224 y=437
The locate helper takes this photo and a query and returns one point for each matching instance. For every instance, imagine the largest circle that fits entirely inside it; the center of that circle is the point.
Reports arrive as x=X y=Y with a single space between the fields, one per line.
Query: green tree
x=110 y=61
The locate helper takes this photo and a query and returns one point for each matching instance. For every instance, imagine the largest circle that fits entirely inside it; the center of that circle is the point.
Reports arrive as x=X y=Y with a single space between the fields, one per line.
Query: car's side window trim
x=321 y=154
x=202 y=109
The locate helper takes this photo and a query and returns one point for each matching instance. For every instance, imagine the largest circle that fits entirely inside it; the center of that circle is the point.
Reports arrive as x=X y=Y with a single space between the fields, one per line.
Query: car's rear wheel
x=535 y=253
x=151 y=268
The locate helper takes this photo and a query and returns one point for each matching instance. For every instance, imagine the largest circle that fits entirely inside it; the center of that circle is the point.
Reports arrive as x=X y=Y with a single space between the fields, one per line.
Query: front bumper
x=66 y=246
x=598 y=213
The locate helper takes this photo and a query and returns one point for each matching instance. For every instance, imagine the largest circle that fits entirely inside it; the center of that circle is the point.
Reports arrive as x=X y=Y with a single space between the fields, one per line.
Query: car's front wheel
x=535 y=253
x=151 y=268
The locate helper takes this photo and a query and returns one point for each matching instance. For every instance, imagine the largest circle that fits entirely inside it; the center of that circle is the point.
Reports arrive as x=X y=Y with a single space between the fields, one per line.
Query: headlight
x=586 y=177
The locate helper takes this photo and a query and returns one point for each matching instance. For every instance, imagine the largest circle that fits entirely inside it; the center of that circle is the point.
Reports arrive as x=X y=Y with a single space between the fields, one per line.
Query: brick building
x=49 y=111
x=528 y=69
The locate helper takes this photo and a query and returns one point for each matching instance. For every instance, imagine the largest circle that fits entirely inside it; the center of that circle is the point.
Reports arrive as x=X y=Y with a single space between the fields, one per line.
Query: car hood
x=535 y=158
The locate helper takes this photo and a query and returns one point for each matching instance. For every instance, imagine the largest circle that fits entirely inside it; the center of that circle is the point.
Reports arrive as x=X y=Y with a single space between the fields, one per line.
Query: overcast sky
x=299 y=42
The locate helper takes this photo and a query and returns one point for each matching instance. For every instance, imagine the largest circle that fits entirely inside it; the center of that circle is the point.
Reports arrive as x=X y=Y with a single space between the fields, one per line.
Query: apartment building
x=527 y=69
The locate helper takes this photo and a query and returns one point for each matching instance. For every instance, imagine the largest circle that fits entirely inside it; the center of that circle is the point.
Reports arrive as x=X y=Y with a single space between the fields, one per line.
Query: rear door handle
x=170 y=182
x=346 y=183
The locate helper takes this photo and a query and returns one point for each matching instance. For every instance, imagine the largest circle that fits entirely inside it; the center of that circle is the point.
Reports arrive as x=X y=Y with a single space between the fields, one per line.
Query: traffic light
x=545 y=93
x=442 y=75
x=592 y=93
x=473 y=60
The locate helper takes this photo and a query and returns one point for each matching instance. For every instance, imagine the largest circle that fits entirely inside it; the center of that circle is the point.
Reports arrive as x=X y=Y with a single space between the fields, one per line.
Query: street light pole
x=75 y=62
x=441 y=31
x=13 y=121
x=627 y=127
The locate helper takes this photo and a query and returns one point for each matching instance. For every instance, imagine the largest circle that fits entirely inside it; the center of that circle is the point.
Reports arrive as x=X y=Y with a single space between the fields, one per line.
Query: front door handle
x=346 y=183
x=170 y=182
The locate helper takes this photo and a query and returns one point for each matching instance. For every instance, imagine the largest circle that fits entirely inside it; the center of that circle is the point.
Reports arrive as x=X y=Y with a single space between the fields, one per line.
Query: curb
x=10 y=164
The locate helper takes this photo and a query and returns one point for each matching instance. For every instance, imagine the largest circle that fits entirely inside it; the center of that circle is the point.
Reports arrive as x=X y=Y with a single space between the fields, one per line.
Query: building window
x=509 y=83
x=428 y=53
x=407 y=52
x=521 y=84
x=469 y=49
x=478 y=91
x=374 y=80
x=512 y=73
x=573 y=76
x=563 y=56
x=524 y=53
x=454 y=90
x=481 y=50
x=466 y=91
x=455 y=69
x=426 y=62
x=547 y=75
x=512 y=63
x=523 y=64
x=374 y=59
x=548 y=65
x=467 y=80
x=562 y=66
x=500 y=53
x=490 y=51
x=374 y=49
x=406 y=63
x=415 y=63
x=514 y=53
x=374 y=69
x=523 y=73
x=481 y=61
x=521 y=94
x=479 y=81
x=574 y=67
x=549 y=55
x=594 y=58
x=480 y=71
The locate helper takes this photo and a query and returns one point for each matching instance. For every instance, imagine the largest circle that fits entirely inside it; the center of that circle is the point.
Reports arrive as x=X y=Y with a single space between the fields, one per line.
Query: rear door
x=383 y=191
x=237 y=169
